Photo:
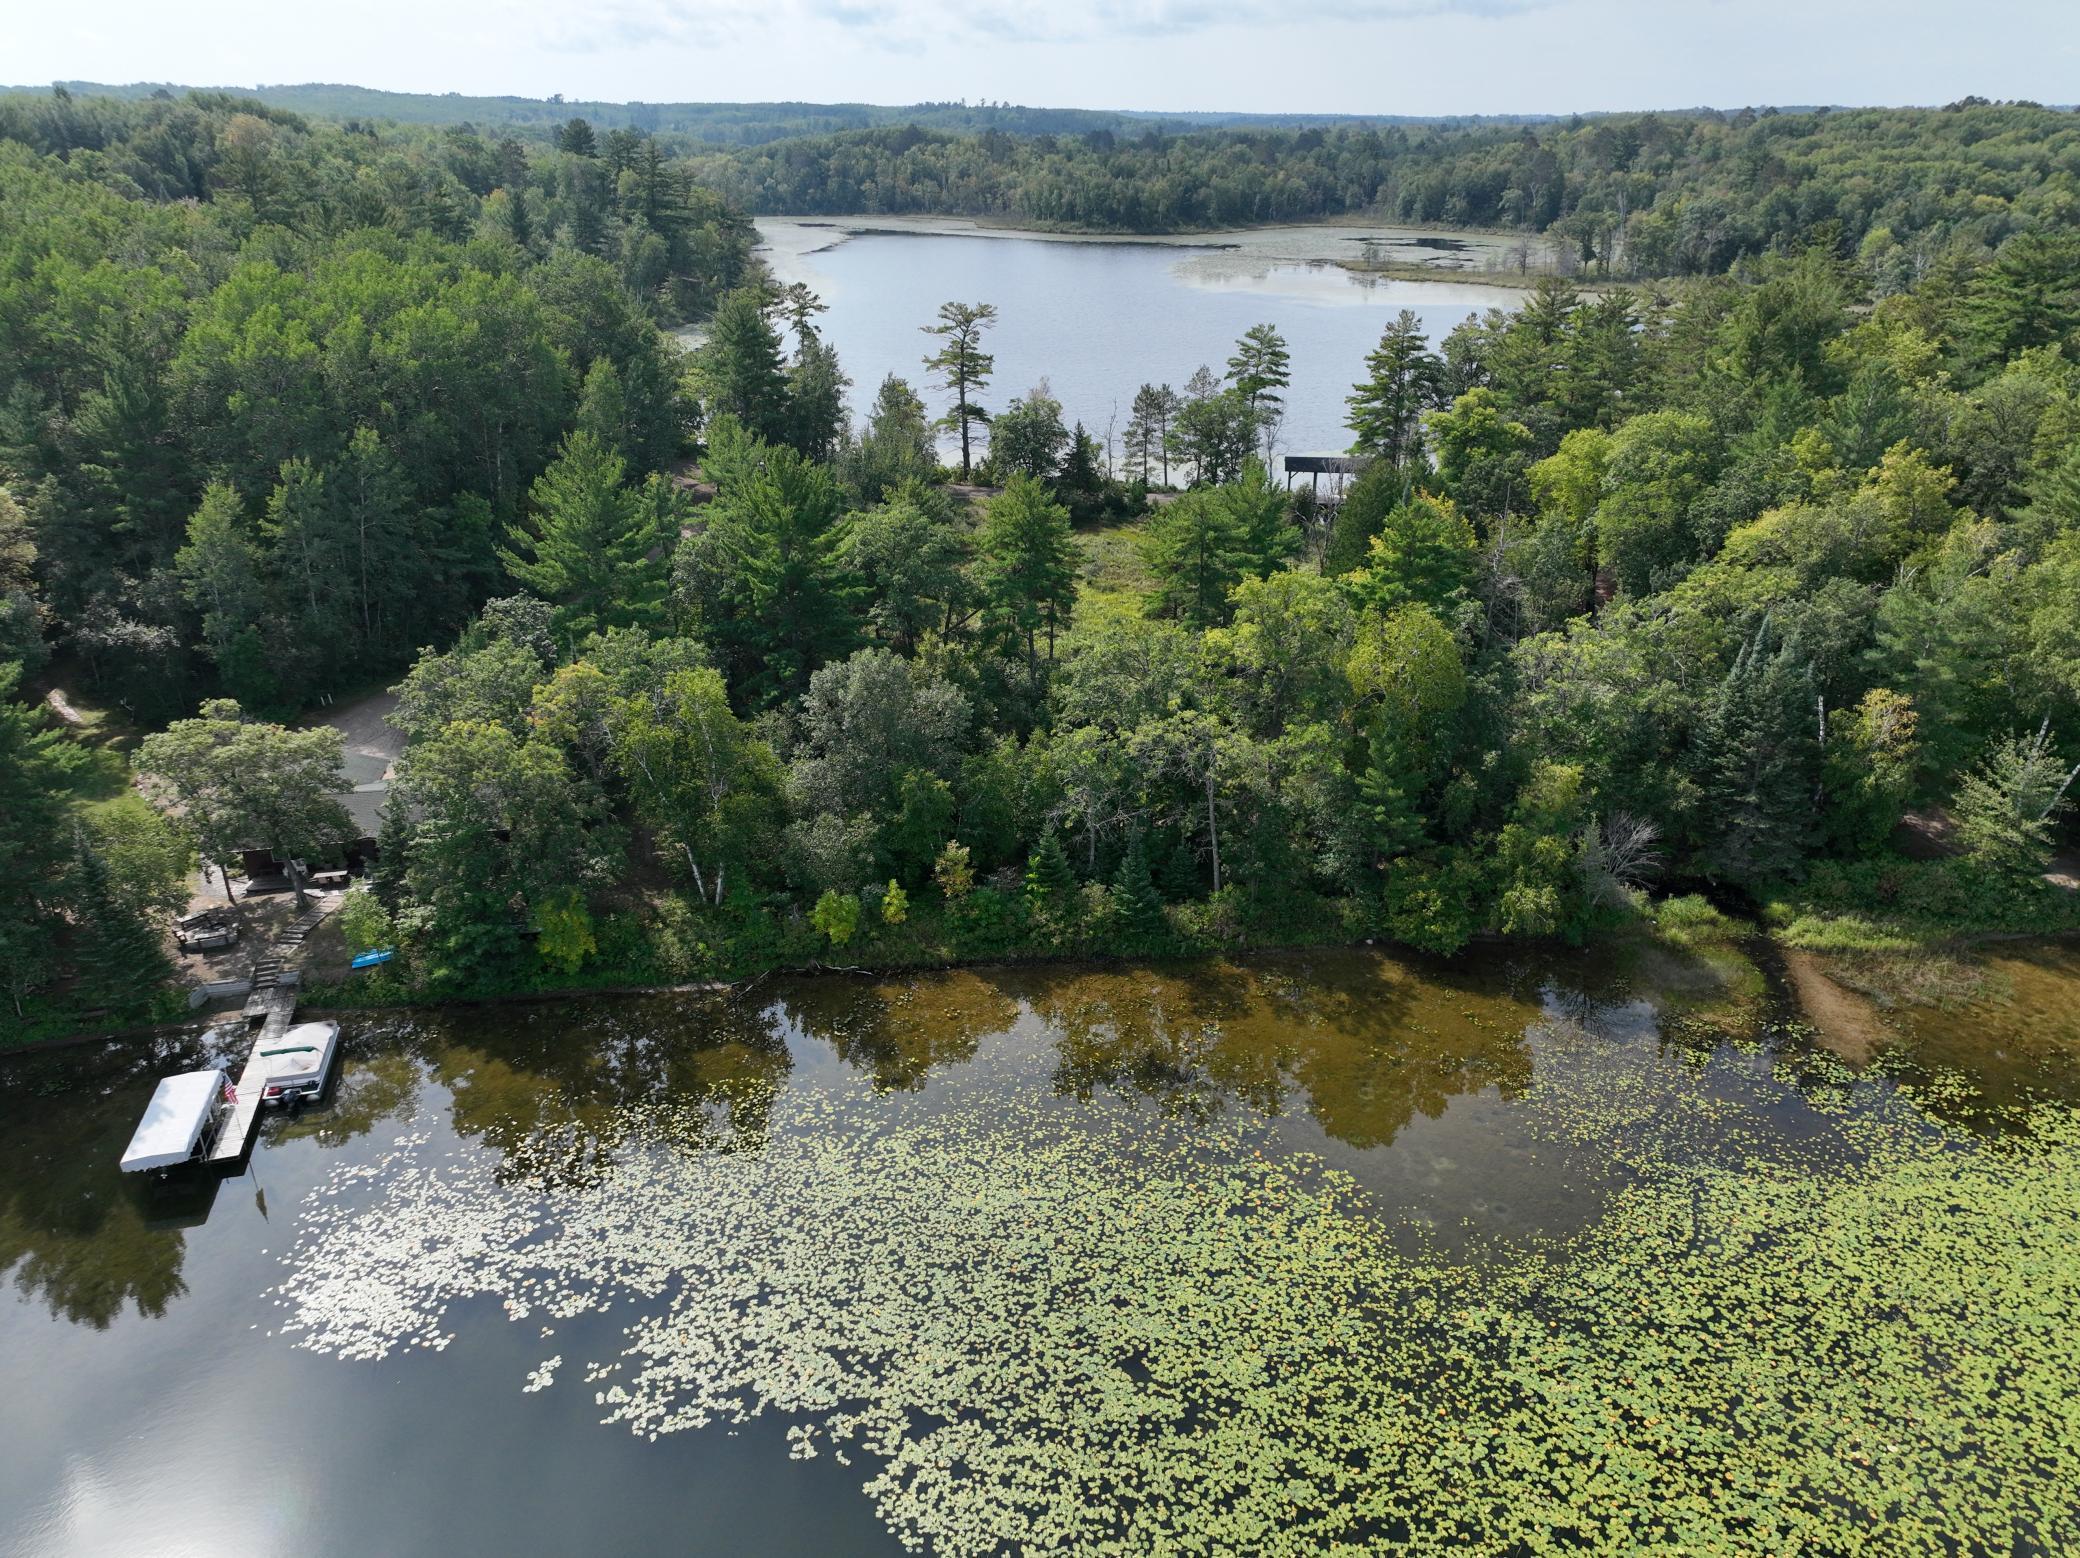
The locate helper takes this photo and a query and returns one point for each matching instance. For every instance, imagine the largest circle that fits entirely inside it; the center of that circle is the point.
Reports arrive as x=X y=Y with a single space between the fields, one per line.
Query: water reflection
x=1343 y=1050
x=898 y=1033
x=1364 y=1043
x=75 y=1233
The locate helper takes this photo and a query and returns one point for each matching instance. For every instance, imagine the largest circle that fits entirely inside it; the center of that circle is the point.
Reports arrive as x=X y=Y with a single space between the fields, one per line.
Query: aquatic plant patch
x=1046 y=1325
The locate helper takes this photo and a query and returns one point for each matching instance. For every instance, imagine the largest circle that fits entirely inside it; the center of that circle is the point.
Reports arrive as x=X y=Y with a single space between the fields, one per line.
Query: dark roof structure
x=1325 y=464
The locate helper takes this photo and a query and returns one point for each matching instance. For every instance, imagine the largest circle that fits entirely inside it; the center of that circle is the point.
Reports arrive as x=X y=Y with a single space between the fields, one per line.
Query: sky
x=1341 y=56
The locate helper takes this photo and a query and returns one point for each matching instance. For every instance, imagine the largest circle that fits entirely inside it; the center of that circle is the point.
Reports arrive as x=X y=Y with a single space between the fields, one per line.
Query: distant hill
x=751 y=124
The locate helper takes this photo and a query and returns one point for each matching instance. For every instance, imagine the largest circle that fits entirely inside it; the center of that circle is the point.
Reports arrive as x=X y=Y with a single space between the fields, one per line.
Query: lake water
x=1341 y=1247
x=1097 y=319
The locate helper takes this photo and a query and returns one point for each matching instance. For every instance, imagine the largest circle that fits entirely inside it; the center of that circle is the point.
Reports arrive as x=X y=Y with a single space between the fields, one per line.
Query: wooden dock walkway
x=272 y=1007
x=279 y=1011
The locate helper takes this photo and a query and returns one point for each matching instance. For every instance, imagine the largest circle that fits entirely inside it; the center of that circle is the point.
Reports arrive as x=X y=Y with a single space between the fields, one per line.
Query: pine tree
x=1260 y=368
x=372 y=517
x=2006 y=807
x=1027 y=567
x=590 y=553
x=33 y=782
x=816 y=388
x=1081 y=484
x=1148 y=433
x=773 y=559
x=220 y=570
x=739 y=367
x=603 y=407
x=119 y=954
x=576 y=137
x=1758 y=763
x=1198 y=551
x=1050 y=883
x=963 y=368
x=1402 y=381
x=1140 y=907
x=1390 y=804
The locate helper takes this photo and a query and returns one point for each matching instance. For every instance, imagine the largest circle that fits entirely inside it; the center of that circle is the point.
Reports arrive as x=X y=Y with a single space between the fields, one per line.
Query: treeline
x=1636 y=194
x=728 y=124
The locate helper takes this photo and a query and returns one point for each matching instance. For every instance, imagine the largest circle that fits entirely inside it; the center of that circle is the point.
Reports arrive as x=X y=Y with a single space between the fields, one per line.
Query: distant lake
x=1098 y=318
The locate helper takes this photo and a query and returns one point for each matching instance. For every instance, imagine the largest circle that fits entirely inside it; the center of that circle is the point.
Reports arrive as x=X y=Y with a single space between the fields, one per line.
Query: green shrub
x=985 y=923
x=1691 y=919
x=836 y=915
x=365 y=923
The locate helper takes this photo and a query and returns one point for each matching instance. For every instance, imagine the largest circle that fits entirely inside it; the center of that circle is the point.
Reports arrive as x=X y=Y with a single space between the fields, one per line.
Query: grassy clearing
x=1112 y=562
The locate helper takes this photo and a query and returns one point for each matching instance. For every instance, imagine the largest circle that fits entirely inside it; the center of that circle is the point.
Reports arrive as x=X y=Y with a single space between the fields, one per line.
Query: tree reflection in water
x=75 y=1231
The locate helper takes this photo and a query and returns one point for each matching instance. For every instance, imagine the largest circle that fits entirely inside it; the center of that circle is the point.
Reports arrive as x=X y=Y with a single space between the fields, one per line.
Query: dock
x=277 y=1011
x=271 y=1008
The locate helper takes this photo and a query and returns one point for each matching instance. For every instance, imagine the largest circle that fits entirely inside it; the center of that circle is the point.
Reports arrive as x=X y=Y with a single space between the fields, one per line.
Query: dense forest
x=1638 y=194
x=1705 y=583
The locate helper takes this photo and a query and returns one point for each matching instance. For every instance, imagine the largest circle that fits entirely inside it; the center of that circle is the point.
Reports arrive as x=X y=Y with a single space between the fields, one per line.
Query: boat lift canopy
x=174 y=1120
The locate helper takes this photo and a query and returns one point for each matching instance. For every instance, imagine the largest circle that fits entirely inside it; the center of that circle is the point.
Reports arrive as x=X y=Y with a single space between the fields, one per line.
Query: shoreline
x=788 y=245
x=1797 y=968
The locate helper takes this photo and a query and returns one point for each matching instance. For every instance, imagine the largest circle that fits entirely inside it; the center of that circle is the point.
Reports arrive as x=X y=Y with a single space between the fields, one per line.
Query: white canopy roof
x=173 y=1120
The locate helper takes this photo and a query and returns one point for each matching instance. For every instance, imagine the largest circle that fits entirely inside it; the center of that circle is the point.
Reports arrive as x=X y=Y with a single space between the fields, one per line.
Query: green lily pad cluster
x=1048 y=1325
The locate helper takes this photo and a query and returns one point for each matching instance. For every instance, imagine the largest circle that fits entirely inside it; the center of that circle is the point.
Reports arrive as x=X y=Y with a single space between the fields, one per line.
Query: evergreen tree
x=739 y=367
x=2054 y=507
x=963 y=368
x=769 y=571
x=1423 y=555
x=1390 y=812
x=1081 y=484
x=1213 y=431
x=801 y=306
x=896 y=447
x=1141 y=918
x=816 y=388
x=119 y=954
x=1361 y=516
x=576 y=137
x=1403 y=379
x=2006 y=807
x=1028 y=437
x=1260 y=368
x=1757 y=765
x=372 y=519
x=1197 y=550
x=221 y=571
x=2029 y=296
x=592 y=549
x=603 y=408
x=1050 y=883
x=32 y=843
x=1026 y=561
x=1148 y=433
